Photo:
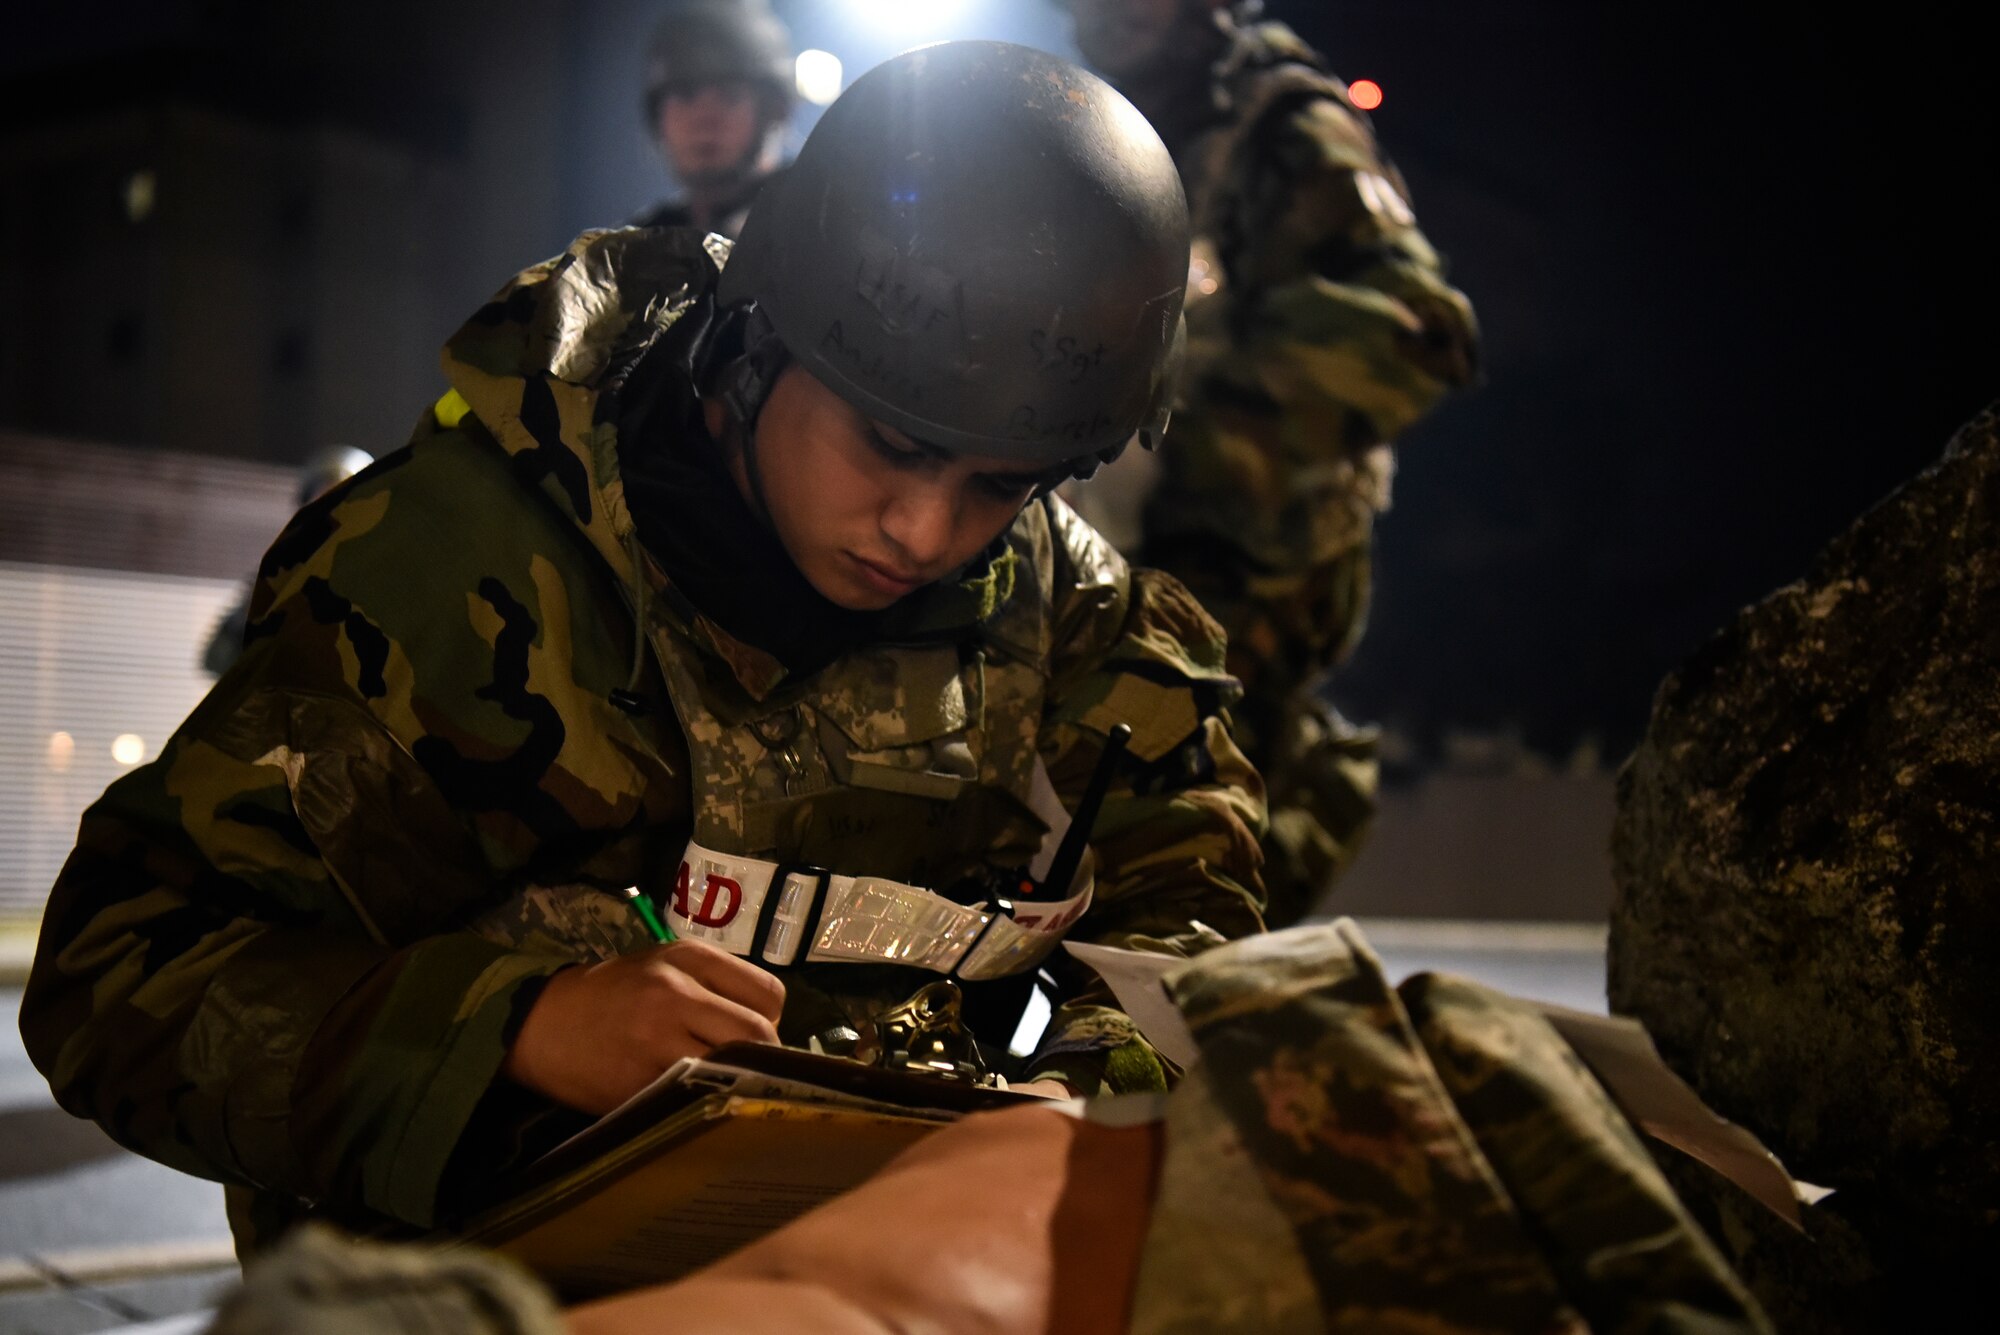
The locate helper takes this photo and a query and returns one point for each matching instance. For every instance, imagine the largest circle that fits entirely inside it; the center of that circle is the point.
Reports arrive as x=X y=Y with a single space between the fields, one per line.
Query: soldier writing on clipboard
x=734 y=576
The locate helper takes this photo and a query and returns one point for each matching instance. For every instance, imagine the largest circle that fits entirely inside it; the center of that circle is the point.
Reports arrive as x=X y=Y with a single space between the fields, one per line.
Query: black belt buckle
x=995 y=909
x=767 y=912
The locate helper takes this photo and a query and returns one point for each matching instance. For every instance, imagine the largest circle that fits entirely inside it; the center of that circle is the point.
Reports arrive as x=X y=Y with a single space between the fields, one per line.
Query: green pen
x=649 y=915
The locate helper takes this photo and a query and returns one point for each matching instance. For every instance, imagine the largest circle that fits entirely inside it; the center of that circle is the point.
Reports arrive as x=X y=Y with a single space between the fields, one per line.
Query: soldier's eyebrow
x=908 y=444
x=1029 y=477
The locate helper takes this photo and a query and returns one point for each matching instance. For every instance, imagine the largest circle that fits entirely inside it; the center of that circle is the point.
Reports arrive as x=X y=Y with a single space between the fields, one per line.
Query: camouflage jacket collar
x=543 y=366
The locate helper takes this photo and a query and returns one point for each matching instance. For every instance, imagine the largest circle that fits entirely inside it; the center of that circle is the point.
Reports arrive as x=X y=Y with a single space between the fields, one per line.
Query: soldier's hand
x=600 y=1033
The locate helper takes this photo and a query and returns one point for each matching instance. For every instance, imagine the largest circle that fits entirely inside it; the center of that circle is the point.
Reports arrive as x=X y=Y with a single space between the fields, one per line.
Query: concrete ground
x=91 y=1236
x=1558 y=962
x=80 y=1217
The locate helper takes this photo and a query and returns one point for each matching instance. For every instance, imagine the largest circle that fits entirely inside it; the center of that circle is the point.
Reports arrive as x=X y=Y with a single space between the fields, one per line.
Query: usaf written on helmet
x=721 y=41
x=984 y=246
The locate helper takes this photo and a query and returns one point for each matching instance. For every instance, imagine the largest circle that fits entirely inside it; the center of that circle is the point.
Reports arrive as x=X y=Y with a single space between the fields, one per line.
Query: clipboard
x=716 y=1153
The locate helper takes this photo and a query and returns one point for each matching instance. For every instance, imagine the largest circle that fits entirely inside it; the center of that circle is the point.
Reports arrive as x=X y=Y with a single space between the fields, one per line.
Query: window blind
x=97 y=668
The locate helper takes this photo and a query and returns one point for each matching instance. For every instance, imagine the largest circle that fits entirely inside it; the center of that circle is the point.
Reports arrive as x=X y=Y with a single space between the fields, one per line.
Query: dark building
x=212 y=279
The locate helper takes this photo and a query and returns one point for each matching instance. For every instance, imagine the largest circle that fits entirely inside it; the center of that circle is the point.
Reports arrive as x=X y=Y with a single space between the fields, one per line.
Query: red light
x=1367 y=94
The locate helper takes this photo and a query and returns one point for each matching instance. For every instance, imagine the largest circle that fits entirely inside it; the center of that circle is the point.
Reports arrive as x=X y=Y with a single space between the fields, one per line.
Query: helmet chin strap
x=745 y=384
x=746 y=438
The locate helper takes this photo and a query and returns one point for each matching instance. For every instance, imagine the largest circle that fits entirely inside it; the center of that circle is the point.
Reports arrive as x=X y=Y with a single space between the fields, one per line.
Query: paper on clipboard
x=717 y=1152
x=1134 y=977
x=707 y=1076
x=717 y=1174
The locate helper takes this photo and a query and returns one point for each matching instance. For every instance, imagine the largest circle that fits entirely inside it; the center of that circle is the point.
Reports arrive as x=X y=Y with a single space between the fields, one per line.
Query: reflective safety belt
x=815 y=915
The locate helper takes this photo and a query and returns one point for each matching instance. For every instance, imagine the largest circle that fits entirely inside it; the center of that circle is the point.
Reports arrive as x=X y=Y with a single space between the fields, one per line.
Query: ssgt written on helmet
x=984 y=246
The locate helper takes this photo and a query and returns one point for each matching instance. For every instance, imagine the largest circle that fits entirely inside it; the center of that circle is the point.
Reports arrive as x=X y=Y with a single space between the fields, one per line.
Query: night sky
x=1738 y=278
x=1736 y=273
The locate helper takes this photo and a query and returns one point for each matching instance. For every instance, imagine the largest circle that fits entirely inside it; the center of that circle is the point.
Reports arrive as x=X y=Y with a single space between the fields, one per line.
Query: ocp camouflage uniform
x=322 y=1283
x=289 y=954
x=1320 y=327
x=1433 y=1157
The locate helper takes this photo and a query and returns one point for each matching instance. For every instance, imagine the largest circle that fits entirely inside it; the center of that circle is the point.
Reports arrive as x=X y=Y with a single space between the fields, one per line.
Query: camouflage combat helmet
x=982 y=245
x=718 y=41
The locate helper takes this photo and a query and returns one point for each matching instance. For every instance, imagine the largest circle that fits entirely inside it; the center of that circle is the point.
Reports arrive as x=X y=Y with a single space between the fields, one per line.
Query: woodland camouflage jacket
x=1320 y=327
x=1320 y=324
x=286 y=954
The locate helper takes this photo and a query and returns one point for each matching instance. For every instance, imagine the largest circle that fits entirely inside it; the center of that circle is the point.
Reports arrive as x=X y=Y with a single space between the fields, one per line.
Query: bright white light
x=907 y=14
x=1034 y=1023
x=818 y=75
x=128 y=748
x=62 y=747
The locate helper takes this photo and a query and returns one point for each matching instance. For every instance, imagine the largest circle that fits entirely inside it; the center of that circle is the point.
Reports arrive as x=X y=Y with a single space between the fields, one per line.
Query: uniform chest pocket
x=904 y=721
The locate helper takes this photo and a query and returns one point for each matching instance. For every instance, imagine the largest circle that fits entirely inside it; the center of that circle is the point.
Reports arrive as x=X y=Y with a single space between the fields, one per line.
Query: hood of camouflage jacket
x=543 y=366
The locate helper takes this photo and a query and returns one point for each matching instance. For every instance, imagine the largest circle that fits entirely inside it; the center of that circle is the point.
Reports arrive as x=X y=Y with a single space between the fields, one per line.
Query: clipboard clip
x=925 y=1035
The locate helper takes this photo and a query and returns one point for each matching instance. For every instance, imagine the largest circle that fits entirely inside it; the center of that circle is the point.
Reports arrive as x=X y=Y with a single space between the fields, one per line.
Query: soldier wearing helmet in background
x=736 y=578
x=719 y=91
x=1320 y=326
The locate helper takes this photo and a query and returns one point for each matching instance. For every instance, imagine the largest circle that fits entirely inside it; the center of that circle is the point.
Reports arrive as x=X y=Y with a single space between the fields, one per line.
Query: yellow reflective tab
x=450 y=410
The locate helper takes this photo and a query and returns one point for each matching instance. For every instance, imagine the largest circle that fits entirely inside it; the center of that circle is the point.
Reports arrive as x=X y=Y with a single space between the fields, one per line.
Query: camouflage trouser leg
x=1285 y=633
x=1321 y=777
x=1624 y=1248
x=1447 y=1168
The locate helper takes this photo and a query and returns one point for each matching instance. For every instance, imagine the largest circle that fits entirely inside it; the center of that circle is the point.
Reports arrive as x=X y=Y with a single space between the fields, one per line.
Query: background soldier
x=1320 y=326
x=719 y=91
